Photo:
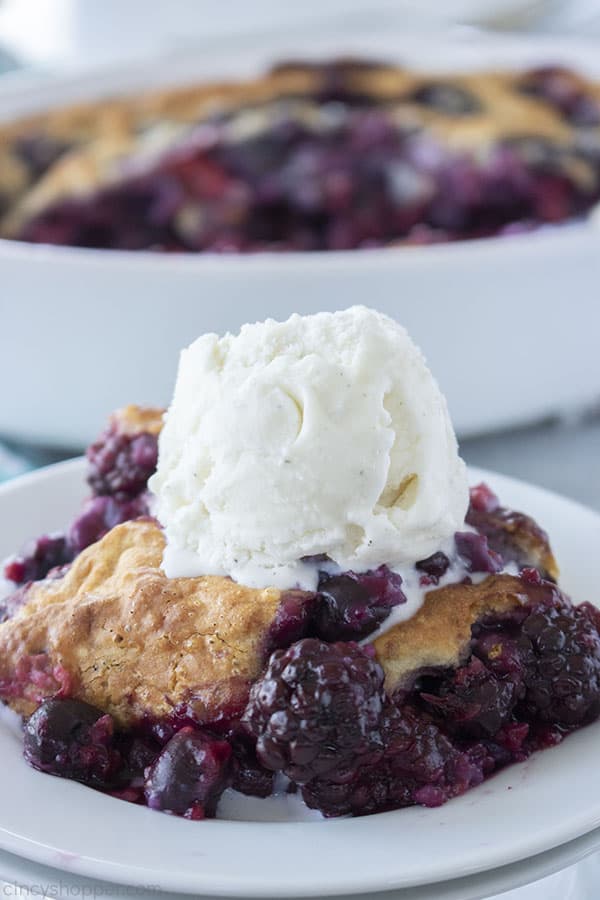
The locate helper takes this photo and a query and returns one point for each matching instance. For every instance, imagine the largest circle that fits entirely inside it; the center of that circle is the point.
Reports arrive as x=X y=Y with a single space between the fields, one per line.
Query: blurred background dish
x=509 y=324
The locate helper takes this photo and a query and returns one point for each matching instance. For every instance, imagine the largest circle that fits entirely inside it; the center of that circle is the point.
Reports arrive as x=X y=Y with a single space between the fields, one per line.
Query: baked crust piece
x=523 y=533
x=133 y=419
x=438 y=635
x=116 y=633
x=102 y=139
x=536 y=548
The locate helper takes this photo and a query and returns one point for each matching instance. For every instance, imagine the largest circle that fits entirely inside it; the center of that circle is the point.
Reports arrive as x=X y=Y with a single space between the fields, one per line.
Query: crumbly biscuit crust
x=131 y=641
x=123 y=637
x=133 y=419
x=438 y=635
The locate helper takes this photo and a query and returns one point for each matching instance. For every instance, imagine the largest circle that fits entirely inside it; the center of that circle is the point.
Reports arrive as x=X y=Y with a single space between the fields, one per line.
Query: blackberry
x=318 y=710
x=74 y=740
x=121 y=464
x=190 y=775
x=49 y=554
x=421 y=765
x=472 y=701
x=563 y=679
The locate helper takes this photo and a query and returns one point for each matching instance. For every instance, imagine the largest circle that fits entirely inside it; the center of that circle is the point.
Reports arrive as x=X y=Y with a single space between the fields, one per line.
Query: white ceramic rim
x=487 y=828
x=15 y=870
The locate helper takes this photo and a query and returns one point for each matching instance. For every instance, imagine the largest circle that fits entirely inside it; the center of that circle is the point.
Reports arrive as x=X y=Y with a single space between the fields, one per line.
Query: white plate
x=569 y=872
x=526 y=810
x=512 y=304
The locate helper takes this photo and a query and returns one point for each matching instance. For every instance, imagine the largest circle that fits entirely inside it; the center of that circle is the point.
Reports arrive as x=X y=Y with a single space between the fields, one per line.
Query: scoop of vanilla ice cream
x=324 y=434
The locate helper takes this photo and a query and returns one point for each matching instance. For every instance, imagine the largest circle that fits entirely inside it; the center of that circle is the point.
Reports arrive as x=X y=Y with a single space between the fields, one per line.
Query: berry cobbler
x=148 y=663
x=338 y=155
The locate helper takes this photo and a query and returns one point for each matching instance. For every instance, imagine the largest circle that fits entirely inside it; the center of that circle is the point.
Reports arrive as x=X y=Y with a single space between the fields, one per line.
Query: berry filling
x=189 y=775
x=339 y=170
x=347 y=607
x=119 y=466
x=352 y=606
x=38 y=558
x=562 y=90
x=319 y=713
x=74 y=740
x=532 y=676
x=514 y=536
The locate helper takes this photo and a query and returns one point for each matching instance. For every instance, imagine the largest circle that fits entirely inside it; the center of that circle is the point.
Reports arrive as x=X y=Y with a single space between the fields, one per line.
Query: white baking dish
x=510 y=325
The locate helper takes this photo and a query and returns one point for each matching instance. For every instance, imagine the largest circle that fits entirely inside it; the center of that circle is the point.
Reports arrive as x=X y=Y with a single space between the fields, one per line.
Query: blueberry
x=293 y=619
x=190 y=775
x=353 y=605
x=74 y=740
x=249 y=775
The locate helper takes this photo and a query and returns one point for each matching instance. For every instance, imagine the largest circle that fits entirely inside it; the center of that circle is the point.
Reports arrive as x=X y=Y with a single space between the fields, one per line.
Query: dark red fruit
x=562 y=90
x=138 y=751
x=318 y=709
x=99 y=515
x=476 y=553
x=38 y=558
x=434 y=567
x=351 y=606
x=74 y=740
x=249 y=776
x=293 y=619
x=513 y=535
x=190 y=775
x=483 y=499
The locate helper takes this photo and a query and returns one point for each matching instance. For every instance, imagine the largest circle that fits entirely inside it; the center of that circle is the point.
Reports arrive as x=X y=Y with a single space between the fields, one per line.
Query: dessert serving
x=332 y=156
x=286 y=586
